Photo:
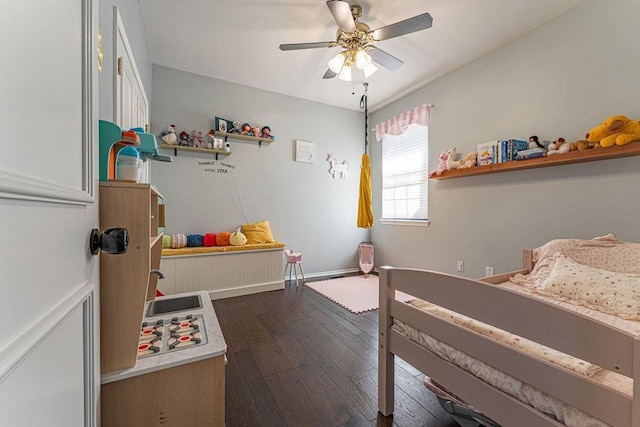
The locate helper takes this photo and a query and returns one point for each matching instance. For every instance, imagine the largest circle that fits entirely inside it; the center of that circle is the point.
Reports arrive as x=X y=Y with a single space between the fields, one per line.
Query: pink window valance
x=398 y=124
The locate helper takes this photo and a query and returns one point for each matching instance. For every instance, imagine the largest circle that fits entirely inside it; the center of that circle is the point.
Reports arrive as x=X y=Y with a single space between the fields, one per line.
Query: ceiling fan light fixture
x=345 y=73
x=336 y=63
x=364 y=62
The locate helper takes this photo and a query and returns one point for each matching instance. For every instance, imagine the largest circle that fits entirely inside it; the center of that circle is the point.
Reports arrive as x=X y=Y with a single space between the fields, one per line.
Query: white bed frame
x=520 y=314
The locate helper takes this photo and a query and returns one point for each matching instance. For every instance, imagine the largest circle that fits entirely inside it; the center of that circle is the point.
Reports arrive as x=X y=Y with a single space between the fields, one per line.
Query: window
x=404 y=175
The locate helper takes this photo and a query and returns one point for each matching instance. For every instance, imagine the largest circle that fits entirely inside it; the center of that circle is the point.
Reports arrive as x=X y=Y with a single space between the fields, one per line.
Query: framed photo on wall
x=305 y=152
x=222 y=125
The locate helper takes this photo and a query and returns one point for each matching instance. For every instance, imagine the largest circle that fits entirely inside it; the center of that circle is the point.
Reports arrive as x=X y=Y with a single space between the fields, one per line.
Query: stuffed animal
x=184 y=138
x=195 y=139
x=559 y=146
x=615 y=130
x=169 y=137
x=237 y=238
x=452 y=163
x=580 y=145
x=442 y=166
x=534 y=142
x=469 y=160
x=255 y=131
x=246 y=129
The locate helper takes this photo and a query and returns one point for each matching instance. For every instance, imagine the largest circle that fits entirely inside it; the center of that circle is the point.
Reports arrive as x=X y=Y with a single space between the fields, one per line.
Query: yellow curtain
x=365 y=211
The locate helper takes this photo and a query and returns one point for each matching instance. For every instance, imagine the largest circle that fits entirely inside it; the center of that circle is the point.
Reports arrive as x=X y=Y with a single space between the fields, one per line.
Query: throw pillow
x=258 y=232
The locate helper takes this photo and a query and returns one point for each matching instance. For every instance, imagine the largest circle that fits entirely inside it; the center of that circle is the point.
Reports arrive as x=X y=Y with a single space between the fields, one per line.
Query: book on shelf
x=530 y=153
x=487 y=152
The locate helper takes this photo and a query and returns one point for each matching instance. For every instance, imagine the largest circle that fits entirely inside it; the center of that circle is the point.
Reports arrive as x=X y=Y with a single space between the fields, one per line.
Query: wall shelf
x=594 y=154
x=176 y=148
x=243 y=138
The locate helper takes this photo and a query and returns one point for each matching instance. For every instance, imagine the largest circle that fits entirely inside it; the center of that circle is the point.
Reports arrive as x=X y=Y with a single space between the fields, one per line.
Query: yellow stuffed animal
x=615 y=130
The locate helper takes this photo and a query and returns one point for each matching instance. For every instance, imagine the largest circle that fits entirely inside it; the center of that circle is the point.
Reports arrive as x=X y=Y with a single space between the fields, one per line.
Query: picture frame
x=222 y=125
x=305 y=151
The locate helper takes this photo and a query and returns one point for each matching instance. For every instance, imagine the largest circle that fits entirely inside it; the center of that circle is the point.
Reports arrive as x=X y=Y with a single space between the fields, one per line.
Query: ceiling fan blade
x=381 y=57
x=329 y=74
x=411 y=25
x=341 y=11
x=297 y=46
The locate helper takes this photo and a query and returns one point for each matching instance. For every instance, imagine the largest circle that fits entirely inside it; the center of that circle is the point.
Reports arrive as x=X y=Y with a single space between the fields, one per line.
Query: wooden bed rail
x=551 y=325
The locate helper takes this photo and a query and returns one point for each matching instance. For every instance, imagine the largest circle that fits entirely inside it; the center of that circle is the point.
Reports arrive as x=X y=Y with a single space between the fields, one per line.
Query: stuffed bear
x=615 y=130
x=580 y=145
x=195 y=139
x=559 y=146
x=469 y=160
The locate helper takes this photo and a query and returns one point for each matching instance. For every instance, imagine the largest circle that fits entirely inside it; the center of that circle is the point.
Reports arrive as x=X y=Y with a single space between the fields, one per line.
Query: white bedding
x=542 y=401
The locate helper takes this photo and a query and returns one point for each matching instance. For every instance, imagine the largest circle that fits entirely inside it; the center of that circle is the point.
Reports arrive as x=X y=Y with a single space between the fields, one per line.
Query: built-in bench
x=223 y=271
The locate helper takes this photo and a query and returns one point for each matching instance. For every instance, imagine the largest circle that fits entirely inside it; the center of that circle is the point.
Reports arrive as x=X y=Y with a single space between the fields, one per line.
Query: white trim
x=332 y=273
x=15 y=186
x=411 y=223
x=246 y=290
x=89 y=96
x=17 y=351
x=118 y=28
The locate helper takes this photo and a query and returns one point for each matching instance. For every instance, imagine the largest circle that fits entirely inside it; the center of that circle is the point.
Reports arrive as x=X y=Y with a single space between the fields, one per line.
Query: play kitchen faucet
x=158 y=272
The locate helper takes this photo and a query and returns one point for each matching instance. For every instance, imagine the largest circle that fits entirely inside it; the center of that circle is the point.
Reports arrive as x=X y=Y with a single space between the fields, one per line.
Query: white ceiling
x=237 y=41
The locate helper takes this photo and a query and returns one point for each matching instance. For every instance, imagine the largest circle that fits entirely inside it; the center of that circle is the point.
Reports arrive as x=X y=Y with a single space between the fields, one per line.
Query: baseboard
x=332 y=273
x=246 y=290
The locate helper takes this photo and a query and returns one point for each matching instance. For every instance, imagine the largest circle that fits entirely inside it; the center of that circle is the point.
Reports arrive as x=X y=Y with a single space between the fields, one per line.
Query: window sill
x=410 y=223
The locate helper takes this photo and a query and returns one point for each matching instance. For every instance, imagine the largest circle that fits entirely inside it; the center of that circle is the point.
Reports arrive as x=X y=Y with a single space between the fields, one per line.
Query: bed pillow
x=258 y=232
x=606 y=252
x=606 y=291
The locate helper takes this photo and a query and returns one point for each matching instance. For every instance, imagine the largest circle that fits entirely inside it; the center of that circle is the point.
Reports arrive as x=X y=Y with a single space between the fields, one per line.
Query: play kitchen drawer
x=178 y=378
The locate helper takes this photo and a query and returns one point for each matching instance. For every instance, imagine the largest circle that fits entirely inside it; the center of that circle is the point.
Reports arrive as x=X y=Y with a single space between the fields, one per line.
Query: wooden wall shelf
x=175 y=149
x=628 y=150
x=243 y=138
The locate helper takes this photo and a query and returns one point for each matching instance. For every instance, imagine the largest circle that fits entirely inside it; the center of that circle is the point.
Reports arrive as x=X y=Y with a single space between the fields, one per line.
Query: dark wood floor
x=298 y=359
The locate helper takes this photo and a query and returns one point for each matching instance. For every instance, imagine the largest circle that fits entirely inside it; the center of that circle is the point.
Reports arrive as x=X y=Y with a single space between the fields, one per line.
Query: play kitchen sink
x=173 y=305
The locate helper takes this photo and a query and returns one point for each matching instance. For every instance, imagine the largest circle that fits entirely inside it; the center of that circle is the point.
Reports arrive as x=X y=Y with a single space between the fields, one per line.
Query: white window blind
x=404 y=174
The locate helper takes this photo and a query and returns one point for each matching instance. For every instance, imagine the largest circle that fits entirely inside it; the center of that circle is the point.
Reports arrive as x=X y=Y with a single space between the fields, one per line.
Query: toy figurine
x=246 y=129
x=210 y=138
x=255 y=131
x=266 y=132
x=184 y=138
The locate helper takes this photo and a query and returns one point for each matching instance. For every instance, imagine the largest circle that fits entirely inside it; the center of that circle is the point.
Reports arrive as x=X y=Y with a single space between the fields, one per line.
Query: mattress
x=540 y=400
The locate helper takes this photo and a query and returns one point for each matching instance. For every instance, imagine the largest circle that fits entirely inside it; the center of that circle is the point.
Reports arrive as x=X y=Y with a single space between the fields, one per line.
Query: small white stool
x=293 y=259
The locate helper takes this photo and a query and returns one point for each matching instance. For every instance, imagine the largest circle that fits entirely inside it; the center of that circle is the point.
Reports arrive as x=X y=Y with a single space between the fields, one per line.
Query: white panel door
x=48 y=278
x=130 y=100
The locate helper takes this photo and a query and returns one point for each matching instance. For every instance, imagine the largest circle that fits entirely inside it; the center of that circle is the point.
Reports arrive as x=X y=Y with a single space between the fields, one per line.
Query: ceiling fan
x=356 y=38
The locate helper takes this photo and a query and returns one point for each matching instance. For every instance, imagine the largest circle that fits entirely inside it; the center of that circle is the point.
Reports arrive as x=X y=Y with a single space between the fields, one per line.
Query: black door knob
x=112 y=241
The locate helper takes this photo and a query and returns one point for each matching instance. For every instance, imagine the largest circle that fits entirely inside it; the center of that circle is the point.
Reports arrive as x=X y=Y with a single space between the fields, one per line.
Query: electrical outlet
x=489 y=271
x=461 y=266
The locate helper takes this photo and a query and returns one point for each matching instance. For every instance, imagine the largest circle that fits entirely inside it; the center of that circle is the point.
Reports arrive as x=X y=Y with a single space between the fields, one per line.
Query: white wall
x=306 y=208
x=559 y=80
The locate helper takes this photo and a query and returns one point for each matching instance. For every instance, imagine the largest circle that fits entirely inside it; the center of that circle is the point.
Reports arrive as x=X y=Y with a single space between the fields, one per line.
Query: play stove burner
x=165 y=335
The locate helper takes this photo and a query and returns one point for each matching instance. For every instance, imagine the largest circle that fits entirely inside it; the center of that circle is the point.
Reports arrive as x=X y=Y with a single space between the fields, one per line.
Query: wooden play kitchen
x=162 y=359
